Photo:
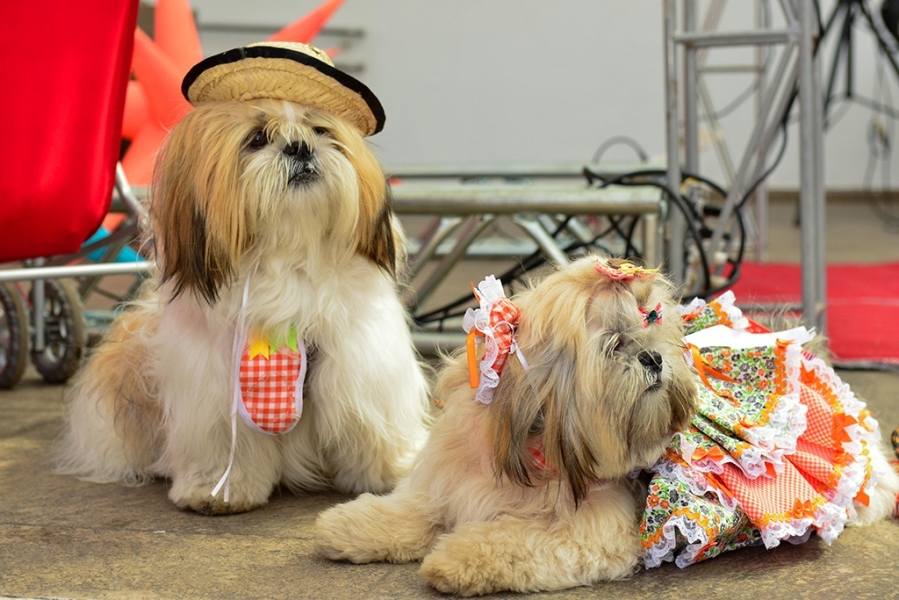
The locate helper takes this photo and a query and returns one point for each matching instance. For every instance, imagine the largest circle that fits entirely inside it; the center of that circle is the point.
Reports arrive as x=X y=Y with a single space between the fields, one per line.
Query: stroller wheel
x=64 y=332
x=13 y=336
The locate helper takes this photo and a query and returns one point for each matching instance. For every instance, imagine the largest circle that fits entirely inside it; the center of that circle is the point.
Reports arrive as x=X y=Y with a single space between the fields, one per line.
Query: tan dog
x=531 y=490
x=275 y=240
x=526 y=484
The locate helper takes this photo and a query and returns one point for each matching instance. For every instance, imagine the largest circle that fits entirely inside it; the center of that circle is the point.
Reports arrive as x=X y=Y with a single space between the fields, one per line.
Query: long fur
x=477 y=510
x=291 y=200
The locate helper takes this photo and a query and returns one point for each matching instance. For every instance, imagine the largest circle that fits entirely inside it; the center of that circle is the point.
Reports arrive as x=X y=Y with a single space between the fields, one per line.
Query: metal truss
x=794 y=74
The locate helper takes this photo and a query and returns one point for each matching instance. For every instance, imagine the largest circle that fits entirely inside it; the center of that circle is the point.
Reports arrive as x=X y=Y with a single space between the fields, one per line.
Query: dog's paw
x=337 y=537
x=214 y=506
x=199 y=498
x=366 y=530
x=458 y=575
x=458 y=566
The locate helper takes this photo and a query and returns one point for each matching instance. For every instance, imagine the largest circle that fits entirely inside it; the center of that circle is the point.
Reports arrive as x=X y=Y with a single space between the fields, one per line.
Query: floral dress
x=778 y=449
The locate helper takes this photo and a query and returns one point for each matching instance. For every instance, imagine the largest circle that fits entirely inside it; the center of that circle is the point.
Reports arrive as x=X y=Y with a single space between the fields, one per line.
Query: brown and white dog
x=272 y=225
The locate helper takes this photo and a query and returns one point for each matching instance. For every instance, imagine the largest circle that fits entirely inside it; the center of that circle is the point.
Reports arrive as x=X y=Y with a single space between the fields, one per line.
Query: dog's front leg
x=198 y=465
x=195 y=386
x=598 y=541
x=370 y=398
x=199 y=456
x=393 y=528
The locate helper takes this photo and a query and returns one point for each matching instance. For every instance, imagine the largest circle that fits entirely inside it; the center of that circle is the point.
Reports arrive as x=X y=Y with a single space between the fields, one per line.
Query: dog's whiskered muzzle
x=299 y=150
x=651 y=361
x=302 y=165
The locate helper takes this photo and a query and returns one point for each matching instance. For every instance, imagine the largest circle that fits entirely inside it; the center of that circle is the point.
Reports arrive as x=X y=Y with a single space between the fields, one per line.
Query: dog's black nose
x=300 y=150
x=651 y=360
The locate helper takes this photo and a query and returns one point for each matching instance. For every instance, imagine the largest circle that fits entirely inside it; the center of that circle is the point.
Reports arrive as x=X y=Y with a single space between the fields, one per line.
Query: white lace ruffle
x=727 y=304
x=490 y=291
x=787 y=418
x=695 y=480
x=663 y=550
x=751 y=461
x=828 y=523
x=695 y=305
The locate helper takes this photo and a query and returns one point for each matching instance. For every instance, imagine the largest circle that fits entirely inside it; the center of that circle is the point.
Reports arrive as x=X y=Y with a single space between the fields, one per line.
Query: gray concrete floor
x=62 y=538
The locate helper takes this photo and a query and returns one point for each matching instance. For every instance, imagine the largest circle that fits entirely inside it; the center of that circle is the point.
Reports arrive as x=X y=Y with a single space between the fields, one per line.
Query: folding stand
x=796 y=69
x=461 y=214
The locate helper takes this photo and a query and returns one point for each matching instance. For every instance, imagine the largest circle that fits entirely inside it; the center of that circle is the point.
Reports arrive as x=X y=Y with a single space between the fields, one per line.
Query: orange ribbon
x=803 y=509
x=703 y=368
x=473 y=372
x=715 y=453
x=840 y=422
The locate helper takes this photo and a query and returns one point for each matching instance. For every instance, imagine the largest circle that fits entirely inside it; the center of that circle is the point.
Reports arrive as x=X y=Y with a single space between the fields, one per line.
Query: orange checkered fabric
x=496 y=322
x=271 y=387
x=790 y=446
x=504 y=317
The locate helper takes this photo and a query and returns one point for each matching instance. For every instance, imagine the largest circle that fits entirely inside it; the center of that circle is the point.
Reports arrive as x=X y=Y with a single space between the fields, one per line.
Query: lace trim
x=827 y=521
x=698 y=483
x=750 y=461
x=663 y=549
x=786 y=420
x=696 y=305
x=855 y=475
x=724 y=306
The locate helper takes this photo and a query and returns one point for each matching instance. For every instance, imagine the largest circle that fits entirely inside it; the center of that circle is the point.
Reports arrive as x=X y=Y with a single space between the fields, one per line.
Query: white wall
x=531 y=81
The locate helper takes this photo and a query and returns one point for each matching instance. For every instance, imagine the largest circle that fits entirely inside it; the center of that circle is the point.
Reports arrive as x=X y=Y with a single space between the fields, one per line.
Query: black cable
x=875 y=106
x=880 y=149
x=691 y=217
x=620 y=139
x=530 y=262
x=780 y=154
x=734 y=104
x=707 y=291
x=832 y=118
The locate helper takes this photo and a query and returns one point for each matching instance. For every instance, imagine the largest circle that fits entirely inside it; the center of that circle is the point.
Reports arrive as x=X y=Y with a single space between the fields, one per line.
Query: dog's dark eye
x=257 y=140
x=321 y=131
x=615 y=344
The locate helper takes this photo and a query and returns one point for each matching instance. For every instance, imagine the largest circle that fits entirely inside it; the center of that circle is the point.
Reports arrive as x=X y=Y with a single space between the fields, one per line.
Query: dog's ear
x=381 y=245
x=189 y=257
x=682 y=394
x=375 y=234
x=569 y=442
x=517 y=419
x=200 y=222
x=538 y=408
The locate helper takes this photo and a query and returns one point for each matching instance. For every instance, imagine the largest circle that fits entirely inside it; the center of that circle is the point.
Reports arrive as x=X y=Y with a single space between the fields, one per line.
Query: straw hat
x=284 y=71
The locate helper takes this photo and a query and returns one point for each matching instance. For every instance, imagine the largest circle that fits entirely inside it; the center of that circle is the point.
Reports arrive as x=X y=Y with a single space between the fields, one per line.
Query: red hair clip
x=651 y=316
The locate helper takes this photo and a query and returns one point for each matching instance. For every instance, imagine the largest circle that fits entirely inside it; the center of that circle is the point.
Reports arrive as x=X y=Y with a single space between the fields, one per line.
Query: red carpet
x=862 y=306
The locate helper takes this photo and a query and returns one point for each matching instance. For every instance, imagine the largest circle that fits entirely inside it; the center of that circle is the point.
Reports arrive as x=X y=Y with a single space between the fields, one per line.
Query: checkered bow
x=496 y=321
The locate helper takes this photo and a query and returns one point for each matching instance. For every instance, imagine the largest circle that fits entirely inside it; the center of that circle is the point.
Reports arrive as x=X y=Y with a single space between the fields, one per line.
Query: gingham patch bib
x=271 y=383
